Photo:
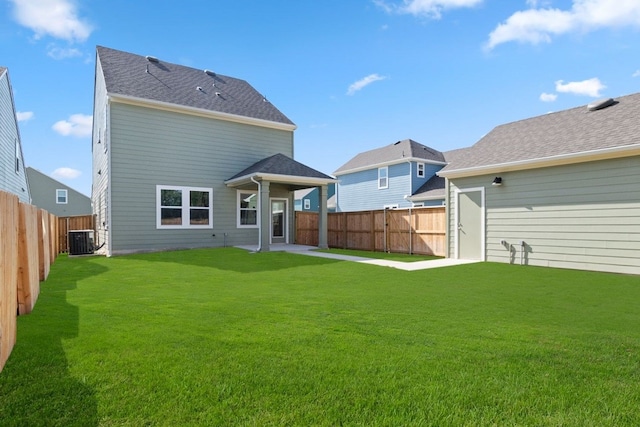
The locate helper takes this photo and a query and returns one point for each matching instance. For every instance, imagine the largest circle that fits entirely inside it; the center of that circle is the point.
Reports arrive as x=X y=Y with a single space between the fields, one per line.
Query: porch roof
x=282 y=170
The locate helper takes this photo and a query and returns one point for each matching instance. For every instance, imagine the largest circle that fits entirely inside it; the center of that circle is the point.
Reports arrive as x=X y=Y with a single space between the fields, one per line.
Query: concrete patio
x=407 y=266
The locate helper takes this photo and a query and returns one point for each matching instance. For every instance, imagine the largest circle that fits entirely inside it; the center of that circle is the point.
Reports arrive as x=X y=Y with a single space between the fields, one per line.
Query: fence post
x=8 y=274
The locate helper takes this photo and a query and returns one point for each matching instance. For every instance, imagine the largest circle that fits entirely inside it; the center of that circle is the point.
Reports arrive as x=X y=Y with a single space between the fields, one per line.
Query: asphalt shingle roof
x=402 y=149
x=134 y=76
x=279 y=164
x=567 y=132
x=434 y=187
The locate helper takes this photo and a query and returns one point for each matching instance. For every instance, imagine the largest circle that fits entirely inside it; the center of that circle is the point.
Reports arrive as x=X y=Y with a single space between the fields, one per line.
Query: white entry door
x=470 y=229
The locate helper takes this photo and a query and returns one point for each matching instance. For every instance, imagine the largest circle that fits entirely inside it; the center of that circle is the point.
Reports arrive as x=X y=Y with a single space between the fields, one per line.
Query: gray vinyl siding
x=359 y=191
x=154 y=147
x=10 y=180
x=582 y=216
x=100 y=154
x=43 y=195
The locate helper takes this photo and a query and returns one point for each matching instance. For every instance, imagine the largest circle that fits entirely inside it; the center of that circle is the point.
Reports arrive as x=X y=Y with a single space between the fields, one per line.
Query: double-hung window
x=420 y=170
x=17 y=144
x=247 y=209
x=61 y=197
x=184 y=207
x=383 y=177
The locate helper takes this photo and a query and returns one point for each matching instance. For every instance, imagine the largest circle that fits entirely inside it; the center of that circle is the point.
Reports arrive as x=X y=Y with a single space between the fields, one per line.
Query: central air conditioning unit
x=80 y=242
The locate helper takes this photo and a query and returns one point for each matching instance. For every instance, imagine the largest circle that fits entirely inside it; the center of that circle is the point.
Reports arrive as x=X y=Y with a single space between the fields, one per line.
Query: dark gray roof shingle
x=397 y=151
x=434 y=187
x=279 y=164
x=134 y=76
x=567 y=132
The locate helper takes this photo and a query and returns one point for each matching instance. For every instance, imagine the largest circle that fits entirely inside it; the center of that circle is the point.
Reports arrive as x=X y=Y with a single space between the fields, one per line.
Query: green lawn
x=226 y=337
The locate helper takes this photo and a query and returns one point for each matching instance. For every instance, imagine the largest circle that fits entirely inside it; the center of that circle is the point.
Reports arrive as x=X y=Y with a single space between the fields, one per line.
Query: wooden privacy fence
x=72 y=223
x=412 y=231
x=28 y=243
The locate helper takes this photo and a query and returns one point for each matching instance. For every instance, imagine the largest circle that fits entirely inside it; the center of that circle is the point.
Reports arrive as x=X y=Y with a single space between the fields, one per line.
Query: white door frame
x=285 y=216
x=483 y=230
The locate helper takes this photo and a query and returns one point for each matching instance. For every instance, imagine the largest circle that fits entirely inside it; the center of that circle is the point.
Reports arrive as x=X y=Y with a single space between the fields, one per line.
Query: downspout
x=447 y=231
x=258 y=219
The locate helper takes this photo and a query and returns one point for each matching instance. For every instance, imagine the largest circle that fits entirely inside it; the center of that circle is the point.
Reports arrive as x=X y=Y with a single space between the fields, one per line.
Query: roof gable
x=136 y=76
x=570 y=133
x=393 y=153
x=279 y=164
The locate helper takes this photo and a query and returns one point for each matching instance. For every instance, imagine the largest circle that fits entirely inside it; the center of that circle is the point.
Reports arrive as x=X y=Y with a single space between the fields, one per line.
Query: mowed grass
x=226 y=337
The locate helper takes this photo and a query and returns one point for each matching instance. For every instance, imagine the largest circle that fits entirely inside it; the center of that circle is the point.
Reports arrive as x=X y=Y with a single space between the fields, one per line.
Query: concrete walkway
x=407 y=266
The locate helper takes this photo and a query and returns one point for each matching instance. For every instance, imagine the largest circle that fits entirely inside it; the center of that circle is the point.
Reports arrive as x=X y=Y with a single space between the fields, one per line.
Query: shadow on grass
x=235 y=259
x=36 y=387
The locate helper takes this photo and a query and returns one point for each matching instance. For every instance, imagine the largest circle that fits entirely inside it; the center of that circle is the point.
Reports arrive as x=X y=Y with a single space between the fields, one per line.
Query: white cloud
x=636 y=74
x=591 y=87
x=429 y=8
x=66 y=173
x=548 y=97
x=360 y=84
x=78 y=125
x=55 y=18
x=56 y=52
x=539 y=25
x=24 y=116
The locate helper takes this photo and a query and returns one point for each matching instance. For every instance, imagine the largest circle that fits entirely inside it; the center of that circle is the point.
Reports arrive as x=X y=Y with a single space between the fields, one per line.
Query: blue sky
x=353 y=75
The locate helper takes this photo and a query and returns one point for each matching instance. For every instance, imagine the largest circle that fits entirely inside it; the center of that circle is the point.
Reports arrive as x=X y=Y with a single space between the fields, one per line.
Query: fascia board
x=287 y=179
x=422 y=198
x=560 y=160
x=166 y=106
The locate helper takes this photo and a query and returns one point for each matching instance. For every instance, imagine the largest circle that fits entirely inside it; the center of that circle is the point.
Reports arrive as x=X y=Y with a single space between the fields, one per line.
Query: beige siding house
x=559 y=190
x=179 y=159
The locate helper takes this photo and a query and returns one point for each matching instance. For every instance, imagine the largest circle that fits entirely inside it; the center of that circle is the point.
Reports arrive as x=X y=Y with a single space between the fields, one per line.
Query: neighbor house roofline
x=389 y=163
x=562 y=159
x=167 y=106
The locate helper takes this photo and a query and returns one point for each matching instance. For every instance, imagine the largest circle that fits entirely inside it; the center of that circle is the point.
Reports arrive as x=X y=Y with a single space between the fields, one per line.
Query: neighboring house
x=387 y=177
x=13 y=178
x=56 y=197
x=186 y=158
x=308 y=200
x=558 y=190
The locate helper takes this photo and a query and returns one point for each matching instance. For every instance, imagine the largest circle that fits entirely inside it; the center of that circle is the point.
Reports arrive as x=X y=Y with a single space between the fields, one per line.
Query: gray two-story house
x=55 y=197
x=188 y=158
x=13 y=178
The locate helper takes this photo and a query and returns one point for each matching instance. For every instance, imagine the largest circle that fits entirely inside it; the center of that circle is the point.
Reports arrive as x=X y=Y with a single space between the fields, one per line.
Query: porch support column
x=322 y=218
x=265 y=217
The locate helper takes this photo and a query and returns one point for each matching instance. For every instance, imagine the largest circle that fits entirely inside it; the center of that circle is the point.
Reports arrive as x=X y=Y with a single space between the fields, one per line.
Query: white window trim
x=66 y=196
x=391 y=206
x=185 y=207
x=17 y=156
x=238 y=210
x=307 y=204
x=386 y=177
x=420 y=170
